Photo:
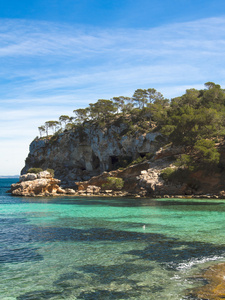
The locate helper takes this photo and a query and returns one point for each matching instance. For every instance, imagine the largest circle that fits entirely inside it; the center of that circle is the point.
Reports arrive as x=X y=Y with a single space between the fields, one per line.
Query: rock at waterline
x=40 y=184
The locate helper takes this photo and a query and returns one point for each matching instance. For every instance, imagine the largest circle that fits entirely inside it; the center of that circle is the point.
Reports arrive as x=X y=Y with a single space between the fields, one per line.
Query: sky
x=57 y=56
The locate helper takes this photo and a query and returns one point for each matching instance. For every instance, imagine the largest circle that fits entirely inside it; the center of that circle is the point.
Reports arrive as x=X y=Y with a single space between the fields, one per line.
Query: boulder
x=41 y=184
x=61 y=191
x=214 y=287
x=44 y=174
x=93 y=189
x=70 y=191
x=28 y=177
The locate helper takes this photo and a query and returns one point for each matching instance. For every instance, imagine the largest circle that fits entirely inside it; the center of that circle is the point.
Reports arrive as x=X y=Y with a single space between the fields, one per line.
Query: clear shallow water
x=70 y=248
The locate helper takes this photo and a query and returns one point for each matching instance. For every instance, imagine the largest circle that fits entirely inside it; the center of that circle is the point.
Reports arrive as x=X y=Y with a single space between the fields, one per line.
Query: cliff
x=87 y=151
x=182 y=141
x=89 y=154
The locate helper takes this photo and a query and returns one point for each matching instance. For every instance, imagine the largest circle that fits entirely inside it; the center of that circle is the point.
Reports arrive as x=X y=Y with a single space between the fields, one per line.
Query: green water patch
x=107 y=248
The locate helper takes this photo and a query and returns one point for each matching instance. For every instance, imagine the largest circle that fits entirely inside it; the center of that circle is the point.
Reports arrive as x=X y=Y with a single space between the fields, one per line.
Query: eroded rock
x=41 y=184
x=81 y=154
x=215 y=288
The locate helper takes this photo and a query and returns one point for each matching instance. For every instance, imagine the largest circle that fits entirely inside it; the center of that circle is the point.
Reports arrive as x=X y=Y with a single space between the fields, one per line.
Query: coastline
x=214 y=275
x=214 y=289
x=43 y=184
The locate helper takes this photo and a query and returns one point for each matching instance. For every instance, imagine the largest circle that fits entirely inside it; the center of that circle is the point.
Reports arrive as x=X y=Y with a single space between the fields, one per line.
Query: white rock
x=44 y=174
x=28 y=177
x=144 y=172
x=69 y=191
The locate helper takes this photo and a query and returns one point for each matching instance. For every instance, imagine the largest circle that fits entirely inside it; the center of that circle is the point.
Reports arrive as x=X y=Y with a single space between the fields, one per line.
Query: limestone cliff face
x=88 y=151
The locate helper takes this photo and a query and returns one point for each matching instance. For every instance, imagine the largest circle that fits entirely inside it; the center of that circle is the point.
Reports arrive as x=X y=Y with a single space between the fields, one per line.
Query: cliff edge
x=78 y=155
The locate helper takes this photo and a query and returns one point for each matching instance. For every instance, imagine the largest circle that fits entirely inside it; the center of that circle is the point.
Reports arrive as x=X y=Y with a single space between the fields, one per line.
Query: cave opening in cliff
x=114 y=162
x=95 y=161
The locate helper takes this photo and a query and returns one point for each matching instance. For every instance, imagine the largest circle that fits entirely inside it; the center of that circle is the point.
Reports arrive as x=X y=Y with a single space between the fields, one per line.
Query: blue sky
x=57 y=56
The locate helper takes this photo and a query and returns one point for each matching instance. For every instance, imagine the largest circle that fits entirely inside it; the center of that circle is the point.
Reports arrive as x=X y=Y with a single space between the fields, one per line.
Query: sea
x=106 y=248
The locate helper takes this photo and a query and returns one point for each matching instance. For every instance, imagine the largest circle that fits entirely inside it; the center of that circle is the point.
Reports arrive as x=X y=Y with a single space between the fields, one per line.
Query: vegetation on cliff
x=138 y=112
x=196 y=120
x=193 y=122
x=113 y=183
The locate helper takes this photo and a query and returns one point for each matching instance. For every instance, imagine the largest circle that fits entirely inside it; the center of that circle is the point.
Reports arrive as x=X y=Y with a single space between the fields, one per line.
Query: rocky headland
x=170 y=149
x=143 y=179
x=150 y=146
x=78 y=155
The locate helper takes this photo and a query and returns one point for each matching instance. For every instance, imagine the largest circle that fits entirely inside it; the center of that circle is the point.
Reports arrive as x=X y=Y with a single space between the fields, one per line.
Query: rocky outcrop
x=88 y=151
x=41 y=184
x=84 y=157
x=129 y=176
x=214 y=289
x=144 y=179
x=139 y=180
x=151 y=180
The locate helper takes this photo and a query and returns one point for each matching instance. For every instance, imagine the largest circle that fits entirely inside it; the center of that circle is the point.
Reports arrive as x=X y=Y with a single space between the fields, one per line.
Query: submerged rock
x=215 y=287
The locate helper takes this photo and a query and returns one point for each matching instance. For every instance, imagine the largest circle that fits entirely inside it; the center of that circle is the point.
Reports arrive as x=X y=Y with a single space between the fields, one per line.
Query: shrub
x=207 y=154
x=177 y=175
x=140 y=159
x=113 y=183
x=51 y=171
x=54 y=138
x=149 y=155
x=185 y=161
x=35 y=170
x=167 y=173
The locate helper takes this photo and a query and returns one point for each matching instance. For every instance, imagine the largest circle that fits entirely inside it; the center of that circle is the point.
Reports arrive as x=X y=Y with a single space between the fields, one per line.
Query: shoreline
x=214 y=289
x=122 y=195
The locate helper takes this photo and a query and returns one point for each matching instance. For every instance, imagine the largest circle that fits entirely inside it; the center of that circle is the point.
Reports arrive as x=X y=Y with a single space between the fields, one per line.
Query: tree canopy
x=195 y=120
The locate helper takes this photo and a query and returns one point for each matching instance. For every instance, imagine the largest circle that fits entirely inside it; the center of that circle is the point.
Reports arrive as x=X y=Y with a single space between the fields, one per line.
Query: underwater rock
x=215 y=287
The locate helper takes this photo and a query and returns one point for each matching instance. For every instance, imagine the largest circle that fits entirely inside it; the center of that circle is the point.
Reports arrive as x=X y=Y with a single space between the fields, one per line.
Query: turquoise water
x=90 y=248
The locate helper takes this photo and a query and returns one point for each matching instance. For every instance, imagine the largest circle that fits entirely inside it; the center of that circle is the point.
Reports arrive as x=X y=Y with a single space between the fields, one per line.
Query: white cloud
x=50 y=69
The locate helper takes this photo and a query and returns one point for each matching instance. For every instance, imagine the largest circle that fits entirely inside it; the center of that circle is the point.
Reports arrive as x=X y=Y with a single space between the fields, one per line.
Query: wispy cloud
x=49 y=69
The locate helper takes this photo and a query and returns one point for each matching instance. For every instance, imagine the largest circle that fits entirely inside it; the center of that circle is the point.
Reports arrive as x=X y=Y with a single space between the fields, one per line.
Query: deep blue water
x=91 y=248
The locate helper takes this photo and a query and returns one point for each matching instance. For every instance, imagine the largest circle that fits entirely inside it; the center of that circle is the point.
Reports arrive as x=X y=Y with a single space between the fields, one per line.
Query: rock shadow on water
x=125 y=202
x=70 y=280
x=13 y=233
x=91 y=235
x=107 y=282
x=118 y=273
x=161 y=249
x=41 y=295
x=173 y=253
x=19 y=255
x=12 y=221
x=98 y=294
x=105 y=294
